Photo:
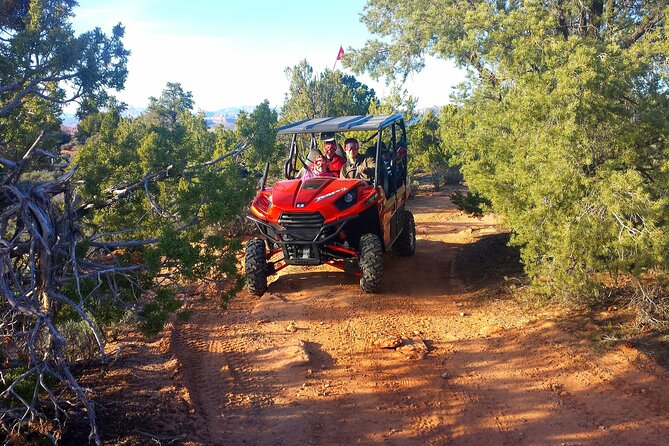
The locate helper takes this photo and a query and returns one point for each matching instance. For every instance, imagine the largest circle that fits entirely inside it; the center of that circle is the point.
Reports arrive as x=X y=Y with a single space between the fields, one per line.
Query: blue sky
x=234 y=53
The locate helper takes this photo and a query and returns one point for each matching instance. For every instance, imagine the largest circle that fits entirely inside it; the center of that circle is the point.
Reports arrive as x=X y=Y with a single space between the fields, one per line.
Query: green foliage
x=184 y=315
x=398 y=100
x=107 y=311
x=172 y=102
x=426 y=144
x=472 y=203
x=81 y=344
x=562 y=125
x=19 y=130
x=260 y=129
x=109 y=156
x=184 y=212
x=44 y=65
x=156 y=312
x=38 y=176
x=330 y=93
x=24 y=388
x=357 y=96
x=94 y=122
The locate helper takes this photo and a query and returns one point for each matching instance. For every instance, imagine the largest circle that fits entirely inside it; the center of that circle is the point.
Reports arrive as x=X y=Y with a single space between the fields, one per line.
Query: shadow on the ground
x=133 y=401
x=487 y=262
x=493 y=393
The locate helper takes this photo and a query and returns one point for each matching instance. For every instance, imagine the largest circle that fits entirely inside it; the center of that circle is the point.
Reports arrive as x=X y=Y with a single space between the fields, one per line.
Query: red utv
x=336 y=221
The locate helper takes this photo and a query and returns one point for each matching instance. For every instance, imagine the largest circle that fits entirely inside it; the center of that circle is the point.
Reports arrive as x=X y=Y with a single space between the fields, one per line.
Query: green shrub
x=156 y=312
x=452 y=176
x=472 y=203
x=562 y=124
x=81 y=344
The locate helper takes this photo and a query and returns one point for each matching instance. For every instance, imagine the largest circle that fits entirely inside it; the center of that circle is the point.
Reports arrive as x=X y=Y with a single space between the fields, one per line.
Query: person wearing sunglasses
x=357 y=165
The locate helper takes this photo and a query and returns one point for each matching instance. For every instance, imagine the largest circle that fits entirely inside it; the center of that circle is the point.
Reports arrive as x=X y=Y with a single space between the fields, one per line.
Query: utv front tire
x=405 y=245
x=371 y=263
x=255 y=266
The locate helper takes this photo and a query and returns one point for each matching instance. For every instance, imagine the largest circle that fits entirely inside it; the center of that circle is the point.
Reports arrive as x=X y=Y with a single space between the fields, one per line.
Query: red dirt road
x=494 y=373
x=299 y=366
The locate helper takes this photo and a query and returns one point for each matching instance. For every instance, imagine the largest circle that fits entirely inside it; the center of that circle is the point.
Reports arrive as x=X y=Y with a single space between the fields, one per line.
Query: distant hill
x=225 y=117
x=133 y=112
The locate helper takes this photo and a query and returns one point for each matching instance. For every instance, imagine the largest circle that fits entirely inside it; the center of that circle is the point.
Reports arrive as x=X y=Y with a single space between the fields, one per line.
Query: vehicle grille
x=303 y=226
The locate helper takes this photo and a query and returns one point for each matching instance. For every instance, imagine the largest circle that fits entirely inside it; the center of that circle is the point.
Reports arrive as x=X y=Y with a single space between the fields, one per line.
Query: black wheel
x=405 y=245
x=255 y=266
x=371 y=263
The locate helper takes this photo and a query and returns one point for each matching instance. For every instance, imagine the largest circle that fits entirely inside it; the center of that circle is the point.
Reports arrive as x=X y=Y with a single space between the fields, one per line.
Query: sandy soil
x=304 y=364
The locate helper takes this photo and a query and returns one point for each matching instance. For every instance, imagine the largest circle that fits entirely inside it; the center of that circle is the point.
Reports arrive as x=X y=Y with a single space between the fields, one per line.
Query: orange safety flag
x=340 y=56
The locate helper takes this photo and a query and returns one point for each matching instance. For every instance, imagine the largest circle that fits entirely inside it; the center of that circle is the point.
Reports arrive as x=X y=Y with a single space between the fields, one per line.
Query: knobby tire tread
x=371 y=263
x=255 y=266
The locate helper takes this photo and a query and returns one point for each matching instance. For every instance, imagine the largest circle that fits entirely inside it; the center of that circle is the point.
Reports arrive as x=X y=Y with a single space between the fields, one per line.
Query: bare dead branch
x=7 y=163
x=119 y=192
x=18 y=167
x=24 y=90
x=39 y=237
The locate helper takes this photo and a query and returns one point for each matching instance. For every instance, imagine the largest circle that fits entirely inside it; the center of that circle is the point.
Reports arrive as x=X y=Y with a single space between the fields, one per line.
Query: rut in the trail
x=217 y=371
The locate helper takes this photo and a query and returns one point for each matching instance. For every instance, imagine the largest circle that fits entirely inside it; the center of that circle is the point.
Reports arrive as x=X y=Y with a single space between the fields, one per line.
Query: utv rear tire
x=405 y=245
x=371 y=263
x=255 y=266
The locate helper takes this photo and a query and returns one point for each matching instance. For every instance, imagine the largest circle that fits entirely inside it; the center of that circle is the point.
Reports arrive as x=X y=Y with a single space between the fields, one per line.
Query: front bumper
x=302 y=244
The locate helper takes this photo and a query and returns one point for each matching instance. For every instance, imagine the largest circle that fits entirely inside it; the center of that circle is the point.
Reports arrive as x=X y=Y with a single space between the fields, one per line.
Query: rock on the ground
x=388 y=342
x=294 y=354
x=414 y=348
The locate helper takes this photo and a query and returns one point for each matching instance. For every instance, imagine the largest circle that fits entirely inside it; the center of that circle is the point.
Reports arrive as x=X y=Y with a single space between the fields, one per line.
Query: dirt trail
x=495 y=373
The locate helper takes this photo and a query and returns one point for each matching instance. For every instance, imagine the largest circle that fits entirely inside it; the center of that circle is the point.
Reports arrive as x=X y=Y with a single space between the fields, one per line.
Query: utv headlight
x=262 y=202
x=349 y=199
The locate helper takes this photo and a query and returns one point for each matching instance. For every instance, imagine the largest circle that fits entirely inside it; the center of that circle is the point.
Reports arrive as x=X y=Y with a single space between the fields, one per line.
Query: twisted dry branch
x=39 y=235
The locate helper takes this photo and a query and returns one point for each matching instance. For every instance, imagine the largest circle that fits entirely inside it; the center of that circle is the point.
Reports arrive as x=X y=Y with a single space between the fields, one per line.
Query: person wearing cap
x=319 y=168
x=357 y=165
x=330 y=153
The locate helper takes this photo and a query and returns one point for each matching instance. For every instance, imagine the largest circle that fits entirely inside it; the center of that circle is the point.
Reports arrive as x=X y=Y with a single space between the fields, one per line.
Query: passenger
x=387 y=161
x=384 y=158
x=401 y=149
x=319 y=168
x=357 y=165
x=401 y=162
x=330 y=152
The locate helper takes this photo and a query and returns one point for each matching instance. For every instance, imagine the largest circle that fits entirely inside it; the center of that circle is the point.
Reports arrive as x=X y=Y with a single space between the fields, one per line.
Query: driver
x=330 y=152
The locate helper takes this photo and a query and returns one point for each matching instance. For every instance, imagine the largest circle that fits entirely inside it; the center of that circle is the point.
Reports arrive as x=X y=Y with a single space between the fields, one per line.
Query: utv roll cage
x=339 y=125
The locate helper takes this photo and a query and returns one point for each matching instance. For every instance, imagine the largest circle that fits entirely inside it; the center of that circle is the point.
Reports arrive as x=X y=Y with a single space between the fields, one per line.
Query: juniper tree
x=330 y=93
x=562 y=124
x=135 y=219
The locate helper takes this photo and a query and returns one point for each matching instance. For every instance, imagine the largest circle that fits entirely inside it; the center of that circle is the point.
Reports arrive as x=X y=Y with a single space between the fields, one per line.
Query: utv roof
x=340 y=124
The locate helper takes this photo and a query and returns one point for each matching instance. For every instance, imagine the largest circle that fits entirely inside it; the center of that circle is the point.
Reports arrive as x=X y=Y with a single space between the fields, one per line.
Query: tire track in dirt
x=219 y=378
